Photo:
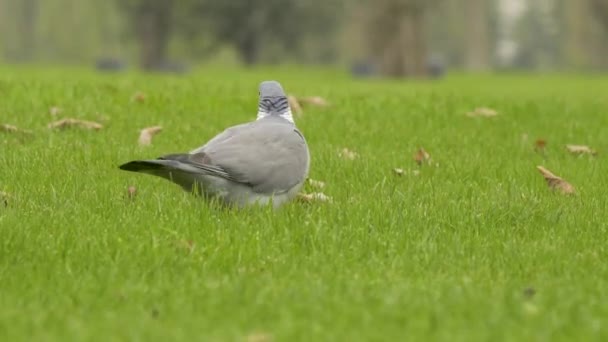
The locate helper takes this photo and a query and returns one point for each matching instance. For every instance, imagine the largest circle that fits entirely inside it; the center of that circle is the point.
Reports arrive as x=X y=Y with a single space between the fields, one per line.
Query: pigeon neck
x=285 y=115
x=274 y=106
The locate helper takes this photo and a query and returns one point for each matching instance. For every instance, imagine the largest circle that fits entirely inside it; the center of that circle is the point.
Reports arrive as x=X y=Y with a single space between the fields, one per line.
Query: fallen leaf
x=131 y=192
x=539 y=145
x=555 y=182
x=187 y=245
x=348 y=154
x=402 y=172
x=9 y=128
x=482 y=112
x=314 y=100
x=13 y=129
x=315 y=183
x=313 y=197
x=146 y=134
x=294 y=104
x=580 y=149
x=259 y=337
x=54 y=111
x=138 y=97
x=421 y=156
x=69 y=122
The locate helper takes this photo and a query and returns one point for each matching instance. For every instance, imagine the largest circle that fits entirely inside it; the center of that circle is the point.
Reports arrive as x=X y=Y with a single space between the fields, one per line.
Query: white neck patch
x=287 y=116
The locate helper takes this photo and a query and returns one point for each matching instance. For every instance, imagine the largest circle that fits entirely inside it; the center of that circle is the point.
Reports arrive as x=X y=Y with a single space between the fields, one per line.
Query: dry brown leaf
x=313 y=100
x=482 y=112
x=131 y=192
x=54 y=111
x=422 y=156
x=259 y=337
x=13 y=129
x=348 y=154
x=138 y=97
x=146 y=134
x=316 y=183
x=9 y=128
x=555 y=182
x=539 y=145
x=313 y=197
x=187 y=245
x=580 y=149
x=402 y=172
x=69 y=122
x=294 y=104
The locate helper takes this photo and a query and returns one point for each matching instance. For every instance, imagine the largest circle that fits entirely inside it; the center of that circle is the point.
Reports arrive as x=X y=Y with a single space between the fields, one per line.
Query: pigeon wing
x=268 y=155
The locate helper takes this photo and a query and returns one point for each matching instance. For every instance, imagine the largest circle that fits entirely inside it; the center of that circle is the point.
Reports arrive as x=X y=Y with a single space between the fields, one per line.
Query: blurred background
x=397 y=38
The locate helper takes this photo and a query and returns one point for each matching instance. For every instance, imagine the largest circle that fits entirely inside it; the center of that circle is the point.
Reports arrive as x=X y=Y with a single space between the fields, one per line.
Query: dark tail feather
x=172 y=170
x=160 y=167
x=188 y=165
x=168 y=162
x=149 y=165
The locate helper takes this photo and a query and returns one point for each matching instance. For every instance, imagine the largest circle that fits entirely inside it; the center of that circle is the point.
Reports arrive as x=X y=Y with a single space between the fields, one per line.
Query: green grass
x=445 y=255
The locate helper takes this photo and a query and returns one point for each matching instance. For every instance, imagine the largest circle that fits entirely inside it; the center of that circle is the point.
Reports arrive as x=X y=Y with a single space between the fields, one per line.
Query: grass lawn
x=473 y=248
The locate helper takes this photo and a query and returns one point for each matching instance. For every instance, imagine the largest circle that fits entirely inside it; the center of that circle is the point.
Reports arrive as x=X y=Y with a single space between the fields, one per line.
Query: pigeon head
x=271 y=89
x=273 y=101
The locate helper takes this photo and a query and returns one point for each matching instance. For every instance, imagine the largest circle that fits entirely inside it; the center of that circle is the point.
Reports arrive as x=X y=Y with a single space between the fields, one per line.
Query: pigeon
x=260 y=162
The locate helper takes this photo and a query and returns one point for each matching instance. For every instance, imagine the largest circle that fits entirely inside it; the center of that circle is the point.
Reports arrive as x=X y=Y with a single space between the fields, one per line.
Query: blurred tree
x=20 y=21
x=397 y=36
x=585 y=33
x=152 y=24
x=599 y=33
x=27 y=29
x=446 y=31
x=464 y=34
x=600 y=10
x=477 y=38
x=574 y=27
x=538 y=36
x=255 y=27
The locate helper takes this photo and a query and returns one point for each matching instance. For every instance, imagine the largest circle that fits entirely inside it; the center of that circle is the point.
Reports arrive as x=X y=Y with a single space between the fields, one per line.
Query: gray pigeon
x=266 y=160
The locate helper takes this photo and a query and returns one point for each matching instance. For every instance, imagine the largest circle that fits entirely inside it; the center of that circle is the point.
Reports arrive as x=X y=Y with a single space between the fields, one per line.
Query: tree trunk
x=413 y=42
x=600 y=10
x=599 y=44
x=27 y=29
x=248 y=49
x=248 y=44
x=152 y=21
x=398 y=38
x=576 y=49
x=477 y=55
